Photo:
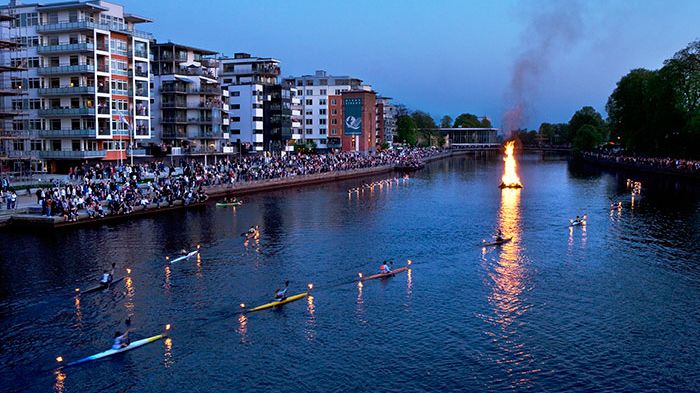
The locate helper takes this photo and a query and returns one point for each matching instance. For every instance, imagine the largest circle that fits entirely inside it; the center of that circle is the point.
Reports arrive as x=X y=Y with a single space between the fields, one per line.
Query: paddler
x=281 y=294
x=121 y=340
x=253 y=229
x=107 y=277
x=578 y=219
x=500 y=236
x=384 y=268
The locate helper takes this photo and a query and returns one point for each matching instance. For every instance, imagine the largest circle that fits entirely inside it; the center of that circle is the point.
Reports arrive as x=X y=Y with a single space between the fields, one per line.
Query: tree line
x=418 y=127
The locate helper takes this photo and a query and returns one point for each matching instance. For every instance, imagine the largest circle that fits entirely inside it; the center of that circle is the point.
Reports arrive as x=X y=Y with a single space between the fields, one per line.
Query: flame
x=510 y=176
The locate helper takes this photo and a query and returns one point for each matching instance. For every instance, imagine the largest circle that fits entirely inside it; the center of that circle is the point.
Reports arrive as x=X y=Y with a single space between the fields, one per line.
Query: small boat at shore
x=384 y=275
x=496 y=242
x=111 y=352
x=229 y=204
x=278 y=303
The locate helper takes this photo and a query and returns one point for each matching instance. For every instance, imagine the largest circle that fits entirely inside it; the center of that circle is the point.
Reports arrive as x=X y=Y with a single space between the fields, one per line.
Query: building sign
x=352 y=108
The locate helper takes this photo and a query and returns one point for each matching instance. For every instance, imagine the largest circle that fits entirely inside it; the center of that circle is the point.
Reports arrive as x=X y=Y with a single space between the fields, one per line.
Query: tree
x=588 y=116
x=425 y=124
x=406 y=130
x=446 y=122
x=467 y=120
x=486 y=122
x=587 y=137
x=555 y=133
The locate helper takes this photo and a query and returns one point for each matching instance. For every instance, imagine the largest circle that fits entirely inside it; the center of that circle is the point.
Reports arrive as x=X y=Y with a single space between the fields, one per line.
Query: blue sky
x=443 y=57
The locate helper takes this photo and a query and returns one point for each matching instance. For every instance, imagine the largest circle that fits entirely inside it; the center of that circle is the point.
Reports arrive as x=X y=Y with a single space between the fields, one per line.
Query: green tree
x=446 y=122
x=467 y=120
x=486 y=122
x=406 y=130
x=587 y=137
x=588 y=116
x=425 y=124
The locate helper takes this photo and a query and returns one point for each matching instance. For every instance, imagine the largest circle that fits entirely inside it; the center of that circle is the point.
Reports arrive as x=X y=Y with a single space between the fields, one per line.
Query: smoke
x=552 y=29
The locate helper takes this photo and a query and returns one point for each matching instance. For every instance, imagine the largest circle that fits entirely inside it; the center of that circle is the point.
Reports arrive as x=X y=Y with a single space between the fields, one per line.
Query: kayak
x=111 y=352
x=279 y=303
x=576 y=223
x=183 y=257
x=497 y=242
x=100 y=287
x=383 y=275
x=228 y=204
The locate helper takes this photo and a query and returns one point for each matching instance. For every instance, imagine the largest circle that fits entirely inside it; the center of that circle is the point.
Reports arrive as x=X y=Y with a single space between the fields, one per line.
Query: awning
x=183 y=79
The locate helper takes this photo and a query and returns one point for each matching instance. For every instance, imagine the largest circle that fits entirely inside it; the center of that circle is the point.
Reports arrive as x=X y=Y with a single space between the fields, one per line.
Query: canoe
x=383 y=275
x=275 y=304
x=183 y=257
x=100 y=287
x=111 y=352
x=576 y=223
x=497 y=242
x=228 y=204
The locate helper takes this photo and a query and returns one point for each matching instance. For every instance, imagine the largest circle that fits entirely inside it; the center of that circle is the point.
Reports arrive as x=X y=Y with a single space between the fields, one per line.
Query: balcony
x=205 y=90
x=66 y=112
x=72 y=154
x=86 y=24
x=174 y=105
x=66 y=48
x=174 y=135
x=71 y=69
x=138 y=73
x=84 y=133
x=200 y=120
x=67 y=91
x=173 y=120
x=173 y=89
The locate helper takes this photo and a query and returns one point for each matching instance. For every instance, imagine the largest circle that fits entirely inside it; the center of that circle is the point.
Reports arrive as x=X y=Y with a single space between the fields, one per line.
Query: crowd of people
x=102 y=189
x=673 y=164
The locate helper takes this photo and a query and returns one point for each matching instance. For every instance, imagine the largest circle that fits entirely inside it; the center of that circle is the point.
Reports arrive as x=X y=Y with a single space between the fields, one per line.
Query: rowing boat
x=383 y=275
x=100 y=287
x=183 y=257
x=279 y=303
x=228 y=204
x=496 y=242
x=111 y=352
x=574 y=223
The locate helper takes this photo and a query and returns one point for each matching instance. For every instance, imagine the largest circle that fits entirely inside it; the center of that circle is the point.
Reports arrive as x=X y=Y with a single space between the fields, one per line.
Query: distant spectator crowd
x=674 y=164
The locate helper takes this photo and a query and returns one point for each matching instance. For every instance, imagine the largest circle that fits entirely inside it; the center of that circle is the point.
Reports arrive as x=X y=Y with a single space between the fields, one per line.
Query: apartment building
x=313 y=91
x=261 y=108
x=87 y=81
x=353 y=121
x=13 y=157
x=190 y=109
x=387 y=114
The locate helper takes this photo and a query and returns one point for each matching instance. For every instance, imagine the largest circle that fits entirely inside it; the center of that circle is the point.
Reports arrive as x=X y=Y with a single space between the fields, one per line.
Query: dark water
x=614 y=306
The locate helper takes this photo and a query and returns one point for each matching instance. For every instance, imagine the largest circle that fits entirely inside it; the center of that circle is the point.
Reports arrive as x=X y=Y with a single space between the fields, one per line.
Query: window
x=310 y=82
x=309 y=112
x=236 y=119
x=334 y=111
x=333 y=102
x=309 y=92
x=235 y=131
x=334 y=122
x=309 y=122
x=35 y=145
x=334 y=131
x=235 y=94
x=323 y=82
x=322 y=111
x=323 y=92
x=309 y=102
x=228 y=80
x=322 y=101
x=322 y=141
x=322 y=122
x=257 y=118
x=235 y=106
x=35 y=103
x=309 y=131
x=300 y=83
x=322 y=131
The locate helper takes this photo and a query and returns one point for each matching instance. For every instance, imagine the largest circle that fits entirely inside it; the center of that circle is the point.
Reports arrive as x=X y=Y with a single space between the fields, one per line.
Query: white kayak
x=184 y=257
x=111 y=352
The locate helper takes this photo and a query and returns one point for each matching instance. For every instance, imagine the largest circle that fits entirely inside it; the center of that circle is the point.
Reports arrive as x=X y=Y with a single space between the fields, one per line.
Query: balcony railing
x=173 y=89
x=205 y=90
x=63 y=48
x=174 y=135
x=59 y=112
x=67 y=91
x=72 y=154
x=176 y=104
x=83 y=133
x=140 y=53
x=173 y=120
x=142 y=74
x=71 y=69
x=103 y=67
x=86 y=24
x=200 y=120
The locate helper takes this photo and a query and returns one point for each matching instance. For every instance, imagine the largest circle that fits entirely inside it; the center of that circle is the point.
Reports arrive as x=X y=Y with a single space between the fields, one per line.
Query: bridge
x=499 y=147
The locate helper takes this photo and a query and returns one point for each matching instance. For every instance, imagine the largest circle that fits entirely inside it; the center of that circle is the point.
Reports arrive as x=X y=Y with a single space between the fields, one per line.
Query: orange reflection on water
x=60 y=381
x=199 y=265
x=167 y=277
x=242 y=326
x=409 y=283
x=168 y=355
x=78 y=311
x=129 y=304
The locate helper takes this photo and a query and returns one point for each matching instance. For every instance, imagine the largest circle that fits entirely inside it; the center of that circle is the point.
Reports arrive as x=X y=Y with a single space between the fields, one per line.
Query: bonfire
x=510 y=177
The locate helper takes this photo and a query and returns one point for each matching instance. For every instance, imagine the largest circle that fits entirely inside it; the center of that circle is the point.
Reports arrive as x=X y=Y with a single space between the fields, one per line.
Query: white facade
x=313 y=92
x=87 y=79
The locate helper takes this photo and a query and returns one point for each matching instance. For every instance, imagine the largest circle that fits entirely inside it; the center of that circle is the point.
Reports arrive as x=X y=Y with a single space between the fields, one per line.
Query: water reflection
x=310 y=330
x=243 y=327
x=507 y=281
x=78 y=311
x=59 y=385
x=409 y=284
x=129 y=304
x=168 y=355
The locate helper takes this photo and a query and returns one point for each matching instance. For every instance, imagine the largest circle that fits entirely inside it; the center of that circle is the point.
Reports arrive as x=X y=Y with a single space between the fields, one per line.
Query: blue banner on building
x=352 y=109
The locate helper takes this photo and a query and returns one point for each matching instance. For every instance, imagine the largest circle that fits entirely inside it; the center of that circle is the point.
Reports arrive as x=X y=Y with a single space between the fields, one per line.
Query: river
x=613 y=305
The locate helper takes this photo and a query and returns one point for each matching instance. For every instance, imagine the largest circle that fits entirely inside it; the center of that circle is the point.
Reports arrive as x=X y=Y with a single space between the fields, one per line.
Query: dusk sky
x=445 y=57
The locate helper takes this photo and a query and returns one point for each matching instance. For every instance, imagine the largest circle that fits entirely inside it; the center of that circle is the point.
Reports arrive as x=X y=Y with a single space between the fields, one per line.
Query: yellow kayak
x=279 y=303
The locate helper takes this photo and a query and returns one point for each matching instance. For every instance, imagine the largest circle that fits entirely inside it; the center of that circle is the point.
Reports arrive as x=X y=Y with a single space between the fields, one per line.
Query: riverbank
x=30 y=216
x=614 y=163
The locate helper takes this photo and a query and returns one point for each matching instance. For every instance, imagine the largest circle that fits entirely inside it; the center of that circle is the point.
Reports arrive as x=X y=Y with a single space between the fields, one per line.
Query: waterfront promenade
x=664 y=166
x=218 y=180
